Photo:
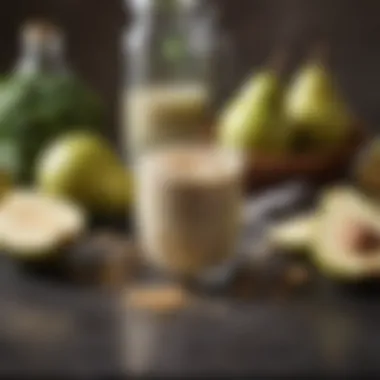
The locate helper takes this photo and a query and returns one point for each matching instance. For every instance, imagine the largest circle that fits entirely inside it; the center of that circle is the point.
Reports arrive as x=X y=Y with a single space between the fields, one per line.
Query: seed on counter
x=296 y=276
x=158 y=298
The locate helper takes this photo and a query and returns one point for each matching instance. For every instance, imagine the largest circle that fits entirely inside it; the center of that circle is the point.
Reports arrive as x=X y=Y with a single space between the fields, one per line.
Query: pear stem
x=321 y=53
x=279 y=60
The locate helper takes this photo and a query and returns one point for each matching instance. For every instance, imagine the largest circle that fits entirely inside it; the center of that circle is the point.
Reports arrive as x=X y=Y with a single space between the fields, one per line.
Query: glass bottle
x=42 y=98
x=167 y=97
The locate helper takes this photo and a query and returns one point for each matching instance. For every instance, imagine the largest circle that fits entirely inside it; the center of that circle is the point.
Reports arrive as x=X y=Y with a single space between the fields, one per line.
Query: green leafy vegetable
x=35 y=109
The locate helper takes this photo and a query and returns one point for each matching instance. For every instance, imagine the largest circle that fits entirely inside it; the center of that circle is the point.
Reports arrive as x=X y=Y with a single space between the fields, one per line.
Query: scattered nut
x=297 y=276
x=158 y=298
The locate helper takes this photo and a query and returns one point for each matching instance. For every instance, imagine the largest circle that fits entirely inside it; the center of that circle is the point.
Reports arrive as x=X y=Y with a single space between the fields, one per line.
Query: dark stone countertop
x=50 y=329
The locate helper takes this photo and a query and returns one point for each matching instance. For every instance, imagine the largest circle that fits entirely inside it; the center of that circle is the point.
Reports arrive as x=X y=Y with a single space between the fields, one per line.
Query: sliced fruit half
x=33 y=226
x=346 y=224
x=293 y=235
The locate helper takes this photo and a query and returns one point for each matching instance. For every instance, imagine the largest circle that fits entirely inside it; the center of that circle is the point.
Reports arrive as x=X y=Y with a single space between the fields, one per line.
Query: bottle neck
x=41 y=56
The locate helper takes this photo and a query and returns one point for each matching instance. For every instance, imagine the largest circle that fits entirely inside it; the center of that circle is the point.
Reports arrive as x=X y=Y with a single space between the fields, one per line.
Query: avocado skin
x=362 y=287
x=48 y=263
x=293 y=248
x=118 y=222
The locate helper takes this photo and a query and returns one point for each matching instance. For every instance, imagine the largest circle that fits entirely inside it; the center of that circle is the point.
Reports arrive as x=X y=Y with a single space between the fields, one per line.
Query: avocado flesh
x=330 y=255
x=33 y=227
x=294 y=235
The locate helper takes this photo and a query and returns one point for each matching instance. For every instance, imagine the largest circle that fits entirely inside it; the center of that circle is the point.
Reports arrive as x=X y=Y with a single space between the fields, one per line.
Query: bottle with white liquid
x=188 y=211
x=167 y=98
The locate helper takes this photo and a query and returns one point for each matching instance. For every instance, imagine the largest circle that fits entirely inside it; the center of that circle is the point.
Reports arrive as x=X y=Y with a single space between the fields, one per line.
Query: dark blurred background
x=94 y=30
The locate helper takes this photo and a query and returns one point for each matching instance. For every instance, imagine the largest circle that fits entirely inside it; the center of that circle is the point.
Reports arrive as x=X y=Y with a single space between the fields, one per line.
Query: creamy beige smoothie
x=188 y=207
x=157 y=115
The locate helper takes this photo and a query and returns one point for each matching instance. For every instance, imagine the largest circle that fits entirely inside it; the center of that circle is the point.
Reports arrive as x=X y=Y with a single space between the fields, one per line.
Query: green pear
x=315 y=109
x=81 y=166
x=6 y=183
x=114 y=192
x=254 y=119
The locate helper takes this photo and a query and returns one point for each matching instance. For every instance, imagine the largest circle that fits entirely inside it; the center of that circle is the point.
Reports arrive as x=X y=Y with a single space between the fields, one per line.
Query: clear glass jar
x=169 y=53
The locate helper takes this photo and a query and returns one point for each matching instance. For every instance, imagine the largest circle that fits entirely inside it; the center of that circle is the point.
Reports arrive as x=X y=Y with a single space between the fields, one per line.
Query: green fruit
x=34 y=227
x=114 y=193
x=331 y=255
x=294 y=235
x=82 y=167
x=36 y=108
x=316 y=112
x=254 y=119
x=6 y=183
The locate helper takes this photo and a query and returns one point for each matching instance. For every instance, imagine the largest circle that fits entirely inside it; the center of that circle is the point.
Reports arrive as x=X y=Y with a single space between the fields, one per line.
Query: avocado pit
x=360 y=238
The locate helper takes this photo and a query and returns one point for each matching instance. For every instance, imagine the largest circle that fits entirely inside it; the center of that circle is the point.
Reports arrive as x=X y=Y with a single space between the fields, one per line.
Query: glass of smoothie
x=189 y=199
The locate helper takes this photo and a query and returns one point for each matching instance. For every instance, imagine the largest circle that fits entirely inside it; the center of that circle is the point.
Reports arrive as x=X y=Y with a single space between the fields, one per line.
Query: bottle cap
x=40 y=32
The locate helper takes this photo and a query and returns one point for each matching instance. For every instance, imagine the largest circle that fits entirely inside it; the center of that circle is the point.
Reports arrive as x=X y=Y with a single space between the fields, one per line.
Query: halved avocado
x=33 y=227
x=294 y=235
x=341 y=208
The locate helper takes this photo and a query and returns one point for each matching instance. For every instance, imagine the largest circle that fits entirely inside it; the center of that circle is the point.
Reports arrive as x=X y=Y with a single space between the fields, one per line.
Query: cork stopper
x=40 y=32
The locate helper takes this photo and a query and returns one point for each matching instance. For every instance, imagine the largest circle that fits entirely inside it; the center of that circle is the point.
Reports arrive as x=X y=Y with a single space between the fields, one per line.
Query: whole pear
x=316 y=112
x=254 y=119
x=81 y=166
